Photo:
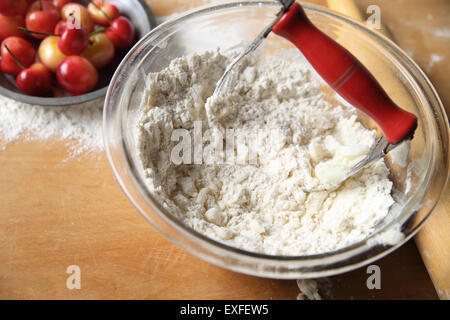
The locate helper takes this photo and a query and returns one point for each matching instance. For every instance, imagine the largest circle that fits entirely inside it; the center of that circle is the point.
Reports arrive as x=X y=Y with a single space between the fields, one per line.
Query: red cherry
x=43 y=5
x=35 y=81
x=60 y=3
x=77 y=75
x=9 y=25
x=121 y=32
x=13 y=7
x=43 y=20
x=22 y=50
x=73 y=41
x=60 y=27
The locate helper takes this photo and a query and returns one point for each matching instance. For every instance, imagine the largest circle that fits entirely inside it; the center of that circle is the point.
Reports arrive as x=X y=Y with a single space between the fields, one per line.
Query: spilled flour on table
x=80 y=125
x=434 y=59
x=308 y=290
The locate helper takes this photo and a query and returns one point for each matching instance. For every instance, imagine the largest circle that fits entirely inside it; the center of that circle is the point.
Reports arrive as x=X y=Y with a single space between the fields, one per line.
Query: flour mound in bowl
x=253 y=152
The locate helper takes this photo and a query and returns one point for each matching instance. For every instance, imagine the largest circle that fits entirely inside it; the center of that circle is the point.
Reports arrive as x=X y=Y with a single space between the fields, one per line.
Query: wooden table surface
x=59 y=213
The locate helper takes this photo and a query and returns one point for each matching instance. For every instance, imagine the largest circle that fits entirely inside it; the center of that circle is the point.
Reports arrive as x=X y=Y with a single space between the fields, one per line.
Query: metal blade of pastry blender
x=378 y=150
x=252 y=47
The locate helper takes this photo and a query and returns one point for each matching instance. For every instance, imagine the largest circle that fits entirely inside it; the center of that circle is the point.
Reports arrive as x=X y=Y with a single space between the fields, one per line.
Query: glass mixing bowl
x=417 y=187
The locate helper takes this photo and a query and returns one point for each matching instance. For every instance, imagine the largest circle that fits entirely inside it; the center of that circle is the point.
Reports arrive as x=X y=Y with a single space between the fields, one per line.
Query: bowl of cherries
x=65 y=52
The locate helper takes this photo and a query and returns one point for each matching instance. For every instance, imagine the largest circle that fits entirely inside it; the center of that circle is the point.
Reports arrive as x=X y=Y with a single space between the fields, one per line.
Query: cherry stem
x=14 y=57
x=101 y=29
x=40 y=5
x=37 y=32
x=101 y=10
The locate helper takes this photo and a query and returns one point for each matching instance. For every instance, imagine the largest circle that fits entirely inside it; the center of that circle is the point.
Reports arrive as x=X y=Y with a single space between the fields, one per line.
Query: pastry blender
x=345 y=74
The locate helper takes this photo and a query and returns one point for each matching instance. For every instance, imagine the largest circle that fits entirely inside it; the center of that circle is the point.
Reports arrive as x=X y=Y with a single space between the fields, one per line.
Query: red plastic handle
x=346 y=75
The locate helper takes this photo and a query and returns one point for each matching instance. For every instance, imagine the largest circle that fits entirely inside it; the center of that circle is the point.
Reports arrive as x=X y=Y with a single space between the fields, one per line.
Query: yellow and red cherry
x=103 y=12
x=77 y=16
x=50 y=54
x=100 y=51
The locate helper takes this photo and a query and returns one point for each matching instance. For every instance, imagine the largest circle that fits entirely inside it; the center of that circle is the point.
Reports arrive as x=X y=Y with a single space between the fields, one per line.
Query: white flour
x=260 y=206
x=82 y=125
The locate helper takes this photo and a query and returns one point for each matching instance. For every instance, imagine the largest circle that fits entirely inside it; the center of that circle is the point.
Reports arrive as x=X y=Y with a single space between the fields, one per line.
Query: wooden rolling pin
x=349 y=8
x=433 y=241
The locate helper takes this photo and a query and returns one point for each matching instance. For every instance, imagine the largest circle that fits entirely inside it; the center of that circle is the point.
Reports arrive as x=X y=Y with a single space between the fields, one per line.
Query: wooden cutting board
x=57 y=213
